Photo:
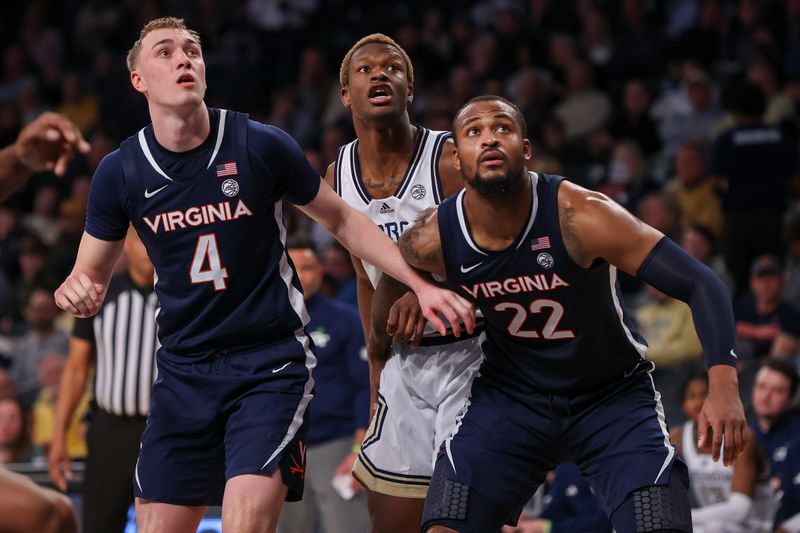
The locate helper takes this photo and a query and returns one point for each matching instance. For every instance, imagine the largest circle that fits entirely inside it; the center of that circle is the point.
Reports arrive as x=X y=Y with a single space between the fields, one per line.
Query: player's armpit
x=593 y=226
x=420 y=244
x=329 y=174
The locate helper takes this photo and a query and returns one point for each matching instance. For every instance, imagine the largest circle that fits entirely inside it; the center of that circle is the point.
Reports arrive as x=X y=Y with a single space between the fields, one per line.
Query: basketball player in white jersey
x=728 y=499
x=391 y=173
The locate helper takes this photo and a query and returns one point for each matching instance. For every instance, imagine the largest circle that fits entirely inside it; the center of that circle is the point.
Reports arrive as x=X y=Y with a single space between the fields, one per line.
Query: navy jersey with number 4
x=551 y=324
x=211 y=221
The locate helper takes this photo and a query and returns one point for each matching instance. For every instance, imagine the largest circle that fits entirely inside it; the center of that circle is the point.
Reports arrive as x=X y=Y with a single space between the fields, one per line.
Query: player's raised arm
x=364 y=239
x=594 y=227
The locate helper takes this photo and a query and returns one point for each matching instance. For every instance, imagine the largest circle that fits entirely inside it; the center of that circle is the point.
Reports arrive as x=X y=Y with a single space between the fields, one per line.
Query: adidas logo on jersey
x=385 y=209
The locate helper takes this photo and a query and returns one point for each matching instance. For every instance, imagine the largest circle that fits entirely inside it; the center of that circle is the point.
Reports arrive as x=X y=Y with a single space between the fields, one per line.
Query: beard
x=497 y=187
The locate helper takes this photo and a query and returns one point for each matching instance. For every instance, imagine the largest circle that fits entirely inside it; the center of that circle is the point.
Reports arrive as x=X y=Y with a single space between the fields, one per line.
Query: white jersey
x=419 y=189
x=710 y=483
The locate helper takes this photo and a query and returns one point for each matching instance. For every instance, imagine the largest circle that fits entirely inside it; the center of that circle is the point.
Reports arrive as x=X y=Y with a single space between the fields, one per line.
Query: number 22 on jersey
x=215 y=273
x=521 y=314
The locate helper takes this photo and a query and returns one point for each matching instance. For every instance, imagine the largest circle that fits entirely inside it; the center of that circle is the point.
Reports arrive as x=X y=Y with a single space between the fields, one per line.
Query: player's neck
x=497 y=222
x=385 y=144
x=180 y=130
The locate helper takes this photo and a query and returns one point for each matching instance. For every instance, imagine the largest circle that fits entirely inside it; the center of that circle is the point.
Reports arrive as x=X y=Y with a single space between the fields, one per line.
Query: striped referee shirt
x=124 y=337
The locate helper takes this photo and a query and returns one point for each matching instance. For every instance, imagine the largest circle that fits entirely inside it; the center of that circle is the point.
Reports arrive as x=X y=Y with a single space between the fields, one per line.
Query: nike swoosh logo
x=465 y=270
x=734 y=355
x=150 y=194
x=276 y=370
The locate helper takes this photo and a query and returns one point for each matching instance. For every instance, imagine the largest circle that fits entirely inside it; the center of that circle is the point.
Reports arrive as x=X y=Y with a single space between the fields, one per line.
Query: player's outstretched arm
x=595 y=227
x=83 y=291
x=363 y=238
x=47 y=143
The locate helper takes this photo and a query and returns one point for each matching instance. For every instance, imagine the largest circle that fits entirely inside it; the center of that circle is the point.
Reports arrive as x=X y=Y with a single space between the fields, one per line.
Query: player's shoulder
x=267 y=133
x=111 y=165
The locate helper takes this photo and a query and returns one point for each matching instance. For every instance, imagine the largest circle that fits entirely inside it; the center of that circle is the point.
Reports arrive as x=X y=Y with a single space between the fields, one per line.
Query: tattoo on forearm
x=571 y=240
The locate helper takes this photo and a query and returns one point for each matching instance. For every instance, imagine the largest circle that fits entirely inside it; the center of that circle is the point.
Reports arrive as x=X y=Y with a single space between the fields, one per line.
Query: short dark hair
x=301 y=243
x=745 y=97
x=784 y=366
x=697 y=374
x=518 y=116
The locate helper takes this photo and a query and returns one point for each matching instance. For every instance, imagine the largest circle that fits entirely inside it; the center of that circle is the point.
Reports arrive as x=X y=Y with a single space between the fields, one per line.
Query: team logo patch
x=418 y=192
x=230 y=187
x=545 y=260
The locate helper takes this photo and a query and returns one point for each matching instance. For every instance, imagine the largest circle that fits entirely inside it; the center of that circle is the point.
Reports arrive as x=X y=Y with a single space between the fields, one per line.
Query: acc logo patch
x=230 y=187
x=545 y=260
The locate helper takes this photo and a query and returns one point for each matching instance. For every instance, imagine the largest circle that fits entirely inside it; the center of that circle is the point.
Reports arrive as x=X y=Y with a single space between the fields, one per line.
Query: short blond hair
x=157 y=24
x=344 y=76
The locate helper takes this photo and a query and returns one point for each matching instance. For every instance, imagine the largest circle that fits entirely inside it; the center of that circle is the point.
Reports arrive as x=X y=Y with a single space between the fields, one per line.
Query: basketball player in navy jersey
x=204 y=190
x=565 y=378
x=391 y=172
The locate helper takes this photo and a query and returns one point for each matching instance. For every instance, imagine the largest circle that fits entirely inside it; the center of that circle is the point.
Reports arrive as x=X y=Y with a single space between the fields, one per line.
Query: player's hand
x=58 y=464
x=346 y=468
x=406 y=323
x=79 y=296
x=48 y=143
x=453 y=307
x=722 y=421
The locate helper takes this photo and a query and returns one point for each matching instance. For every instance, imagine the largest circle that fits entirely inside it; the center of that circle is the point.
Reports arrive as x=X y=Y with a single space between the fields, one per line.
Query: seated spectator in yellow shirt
x=44 y=410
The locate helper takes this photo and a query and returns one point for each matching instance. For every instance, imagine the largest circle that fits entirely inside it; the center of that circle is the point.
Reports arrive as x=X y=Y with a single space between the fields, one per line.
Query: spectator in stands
x=332 y=498
x=755 y=162
x=728 y=498
x=694 y=189
x=585 y=108
x=15 y=445
x=775 y=423
x=41 y=339
x=338 y=268
x=696 y=122
x=634 y=121
x=81 y=108
x=701 y=244
x=51 y=367
x=762 y=316
x=673 y=346
x=780 y=108
x=663 y=212
x=626 y=179
x=42 y=220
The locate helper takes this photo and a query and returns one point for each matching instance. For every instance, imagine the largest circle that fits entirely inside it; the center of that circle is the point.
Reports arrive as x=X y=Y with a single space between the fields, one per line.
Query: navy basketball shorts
x=505 y=444
x=228 y=414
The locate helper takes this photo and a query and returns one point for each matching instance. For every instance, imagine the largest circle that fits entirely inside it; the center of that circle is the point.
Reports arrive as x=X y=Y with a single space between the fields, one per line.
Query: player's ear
x=527 y=151
x=345 y=98
x=137 y=82
x=410 y=93
x=456 y=160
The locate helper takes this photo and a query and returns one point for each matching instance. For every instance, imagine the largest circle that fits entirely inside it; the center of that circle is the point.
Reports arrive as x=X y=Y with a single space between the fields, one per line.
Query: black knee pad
x=446 y=499
x=657 y=508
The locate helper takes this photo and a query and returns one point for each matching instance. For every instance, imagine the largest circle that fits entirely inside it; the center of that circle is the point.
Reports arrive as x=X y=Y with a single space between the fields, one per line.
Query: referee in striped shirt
x=123 y=338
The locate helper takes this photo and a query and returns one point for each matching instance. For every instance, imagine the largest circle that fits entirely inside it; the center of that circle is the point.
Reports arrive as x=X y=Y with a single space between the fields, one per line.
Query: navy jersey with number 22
x=211 y=221
x=551 y=324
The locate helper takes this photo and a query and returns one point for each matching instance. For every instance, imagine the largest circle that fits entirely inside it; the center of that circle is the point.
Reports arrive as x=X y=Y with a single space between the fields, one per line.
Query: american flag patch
x=227 y=169
x=541 y=243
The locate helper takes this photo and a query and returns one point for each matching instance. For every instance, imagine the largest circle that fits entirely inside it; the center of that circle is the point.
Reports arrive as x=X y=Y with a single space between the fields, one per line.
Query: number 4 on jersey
x=215 y=273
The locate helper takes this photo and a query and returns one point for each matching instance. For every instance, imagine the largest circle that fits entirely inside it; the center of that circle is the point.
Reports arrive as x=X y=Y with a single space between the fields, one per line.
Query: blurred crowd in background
x=684 y=111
